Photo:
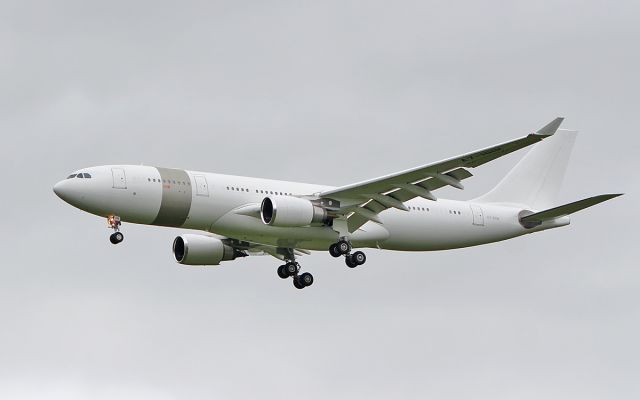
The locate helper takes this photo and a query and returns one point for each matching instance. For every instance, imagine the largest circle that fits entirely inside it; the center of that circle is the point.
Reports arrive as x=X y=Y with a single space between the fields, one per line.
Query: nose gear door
x=119 y=178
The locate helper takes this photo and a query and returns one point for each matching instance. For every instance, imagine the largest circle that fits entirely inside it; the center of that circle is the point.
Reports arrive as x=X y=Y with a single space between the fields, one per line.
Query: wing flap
x=372 y=207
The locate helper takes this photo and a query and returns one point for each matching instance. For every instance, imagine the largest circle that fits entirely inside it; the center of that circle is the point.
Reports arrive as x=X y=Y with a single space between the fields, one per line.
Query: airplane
x=241 y=216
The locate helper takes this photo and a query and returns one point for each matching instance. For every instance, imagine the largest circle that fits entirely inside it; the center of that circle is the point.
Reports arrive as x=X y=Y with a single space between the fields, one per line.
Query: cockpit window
x=81 y=175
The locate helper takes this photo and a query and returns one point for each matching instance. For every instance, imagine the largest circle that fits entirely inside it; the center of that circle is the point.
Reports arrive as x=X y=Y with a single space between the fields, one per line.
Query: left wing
x=364 y=200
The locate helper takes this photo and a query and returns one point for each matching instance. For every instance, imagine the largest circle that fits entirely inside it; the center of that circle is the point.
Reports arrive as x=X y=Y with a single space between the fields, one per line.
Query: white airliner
x=245 y=216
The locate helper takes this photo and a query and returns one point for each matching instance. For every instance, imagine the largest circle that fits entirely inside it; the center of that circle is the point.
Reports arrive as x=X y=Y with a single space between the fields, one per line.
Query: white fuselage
x=210 y=202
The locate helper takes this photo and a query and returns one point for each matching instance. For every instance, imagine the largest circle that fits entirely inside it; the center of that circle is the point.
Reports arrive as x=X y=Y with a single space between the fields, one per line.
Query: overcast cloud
x=327 y=92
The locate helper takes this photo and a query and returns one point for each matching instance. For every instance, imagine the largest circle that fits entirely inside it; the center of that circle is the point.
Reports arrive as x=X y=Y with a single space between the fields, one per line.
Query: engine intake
x=192 y=249
x=286 y=211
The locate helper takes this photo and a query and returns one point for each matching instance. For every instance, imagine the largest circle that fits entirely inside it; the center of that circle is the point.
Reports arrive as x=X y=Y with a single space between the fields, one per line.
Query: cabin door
x=478 y=215
x=119 y=178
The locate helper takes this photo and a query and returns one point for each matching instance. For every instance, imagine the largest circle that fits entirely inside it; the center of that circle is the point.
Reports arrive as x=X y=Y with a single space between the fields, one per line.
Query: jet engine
x=192 y=249
x=286 y=211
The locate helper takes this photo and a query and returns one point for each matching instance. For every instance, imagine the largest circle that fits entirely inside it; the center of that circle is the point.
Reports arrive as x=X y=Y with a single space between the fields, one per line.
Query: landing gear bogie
x=292 y=270
x=343 y=247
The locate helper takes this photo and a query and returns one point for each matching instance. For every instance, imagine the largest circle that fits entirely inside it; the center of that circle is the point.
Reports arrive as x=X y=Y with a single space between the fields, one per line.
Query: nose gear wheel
x=116 y=237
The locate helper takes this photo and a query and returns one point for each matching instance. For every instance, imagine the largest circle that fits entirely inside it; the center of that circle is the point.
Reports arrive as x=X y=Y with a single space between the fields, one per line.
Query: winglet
x=550 y=128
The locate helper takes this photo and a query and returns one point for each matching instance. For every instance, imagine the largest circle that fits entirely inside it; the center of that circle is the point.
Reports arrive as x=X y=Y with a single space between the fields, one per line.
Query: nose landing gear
x=114 y=223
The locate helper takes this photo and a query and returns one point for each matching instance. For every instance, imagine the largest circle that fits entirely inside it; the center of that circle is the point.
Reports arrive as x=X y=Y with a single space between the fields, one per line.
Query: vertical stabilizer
x=535 y=181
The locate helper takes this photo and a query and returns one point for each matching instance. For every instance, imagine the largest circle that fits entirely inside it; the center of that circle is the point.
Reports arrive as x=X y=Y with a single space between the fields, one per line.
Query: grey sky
x=326 y=92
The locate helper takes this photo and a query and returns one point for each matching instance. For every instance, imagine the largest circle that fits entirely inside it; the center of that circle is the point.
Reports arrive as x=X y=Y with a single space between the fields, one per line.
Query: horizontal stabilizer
x=538 y=218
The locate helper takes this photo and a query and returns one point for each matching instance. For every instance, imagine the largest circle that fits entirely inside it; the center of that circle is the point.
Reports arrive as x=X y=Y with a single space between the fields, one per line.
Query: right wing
x=364 y=200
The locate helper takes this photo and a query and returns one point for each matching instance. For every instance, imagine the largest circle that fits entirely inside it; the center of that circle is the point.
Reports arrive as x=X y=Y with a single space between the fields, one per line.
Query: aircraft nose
x=61 y=189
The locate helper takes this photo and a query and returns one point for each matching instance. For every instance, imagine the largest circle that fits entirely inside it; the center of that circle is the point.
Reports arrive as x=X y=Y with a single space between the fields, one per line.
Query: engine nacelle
x=192 y=249
x=289 y=211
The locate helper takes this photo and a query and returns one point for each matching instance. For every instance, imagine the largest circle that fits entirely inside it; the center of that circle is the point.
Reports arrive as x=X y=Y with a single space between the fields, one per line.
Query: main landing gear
x=292 y=269
x=343 y=248
x=114 y=223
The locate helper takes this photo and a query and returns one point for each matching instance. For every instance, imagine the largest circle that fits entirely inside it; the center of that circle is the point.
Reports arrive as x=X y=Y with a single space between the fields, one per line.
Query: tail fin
x=535 y=181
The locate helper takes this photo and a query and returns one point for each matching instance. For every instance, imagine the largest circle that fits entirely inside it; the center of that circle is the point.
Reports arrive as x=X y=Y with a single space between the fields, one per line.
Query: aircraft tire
x=351 y=263
x=282 y=272
x=306 y=279
x=116 y=237
x=291 y=268
x=359 y=258
x=344 y=247
x=334 y=251
x=297 y=283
